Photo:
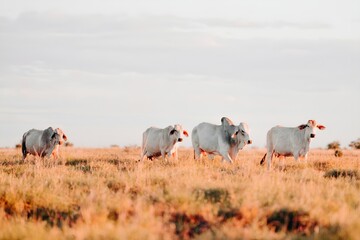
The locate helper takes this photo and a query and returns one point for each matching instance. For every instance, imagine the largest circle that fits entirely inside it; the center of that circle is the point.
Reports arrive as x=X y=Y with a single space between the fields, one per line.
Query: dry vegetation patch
x=108 y=194
x=287 y=220
x=341 y=173
x=188 y=226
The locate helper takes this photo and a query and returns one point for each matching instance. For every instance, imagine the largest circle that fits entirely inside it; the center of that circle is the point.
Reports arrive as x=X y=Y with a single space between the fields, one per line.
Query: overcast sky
x=104 y=71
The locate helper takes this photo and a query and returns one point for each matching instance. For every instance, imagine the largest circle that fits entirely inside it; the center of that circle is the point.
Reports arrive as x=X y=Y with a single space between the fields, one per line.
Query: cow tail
x=194 y=154
x=23 y=146
x=263 y=159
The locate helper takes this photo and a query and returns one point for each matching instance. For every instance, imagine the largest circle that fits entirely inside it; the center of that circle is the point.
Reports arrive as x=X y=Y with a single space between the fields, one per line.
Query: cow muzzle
x=249 y=142
x=180 y=139
x=312 y=135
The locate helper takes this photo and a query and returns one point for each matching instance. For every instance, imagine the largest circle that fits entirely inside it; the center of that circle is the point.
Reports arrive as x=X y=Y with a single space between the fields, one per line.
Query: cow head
x=177 y=132
x=54 y=138
x=310 y=129
x=230 y=130
x=62 y=136
x=243 y=135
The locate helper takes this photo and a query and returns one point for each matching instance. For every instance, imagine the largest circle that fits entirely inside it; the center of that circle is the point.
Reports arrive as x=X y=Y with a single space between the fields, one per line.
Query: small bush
x=338 y=153
x=355 y=144
x=69 y=144
x=334 y=145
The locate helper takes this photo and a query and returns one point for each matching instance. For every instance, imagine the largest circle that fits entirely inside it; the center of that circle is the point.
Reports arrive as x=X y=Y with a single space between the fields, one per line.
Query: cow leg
x=55 y=152
x=47 y=153
x=306 y=158
x=282 y=160
x=227 y=157
x=24 y=151
x=269 y=156
x=23 y=148
x=174 y=154
x=263 y=159
x=142 y=155
x=169 y=154
x=197 y=154
x=163 y=155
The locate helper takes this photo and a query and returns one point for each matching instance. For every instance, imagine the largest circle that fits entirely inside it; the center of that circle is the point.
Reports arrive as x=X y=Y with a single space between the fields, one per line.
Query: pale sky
x=104 y=71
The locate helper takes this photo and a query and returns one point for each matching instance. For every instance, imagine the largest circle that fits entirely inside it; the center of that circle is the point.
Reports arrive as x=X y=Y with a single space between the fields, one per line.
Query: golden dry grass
x=106 y=194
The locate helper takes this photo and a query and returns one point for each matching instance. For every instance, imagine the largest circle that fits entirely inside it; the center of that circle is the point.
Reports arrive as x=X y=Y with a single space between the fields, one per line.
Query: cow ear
x=64 y=137
x=321 y=127
x=302 y=126
x=185 y=133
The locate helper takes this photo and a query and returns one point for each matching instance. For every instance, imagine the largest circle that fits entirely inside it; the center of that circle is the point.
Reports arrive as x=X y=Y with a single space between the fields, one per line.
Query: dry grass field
x=106 y=194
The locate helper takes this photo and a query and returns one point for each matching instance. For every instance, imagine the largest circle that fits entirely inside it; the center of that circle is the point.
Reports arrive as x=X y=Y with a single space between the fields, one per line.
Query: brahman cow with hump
x=290 y=141
x=225 y=140
x=42 y=142
x=158 y=142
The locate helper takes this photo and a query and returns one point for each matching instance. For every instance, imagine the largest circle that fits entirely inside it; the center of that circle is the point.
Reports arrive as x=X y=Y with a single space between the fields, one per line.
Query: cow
x=163 y=142
x=42 y=143
x=225 y=140
x=290 y=141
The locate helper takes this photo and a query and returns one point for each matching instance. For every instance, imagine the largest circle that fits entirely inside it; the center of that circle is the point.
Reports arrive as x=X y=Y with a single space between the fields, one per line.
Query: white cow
x=42 y=142
x=290 y=141
x=225 y=140
x=162 y=142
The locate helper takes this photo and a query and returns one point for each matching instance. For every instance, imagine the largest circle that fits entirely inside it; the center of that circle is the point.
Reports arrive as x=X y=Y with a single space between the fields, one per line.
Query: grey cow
x=162 y=142
x=290 y=141
x=43 y=143
x=225 y=140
